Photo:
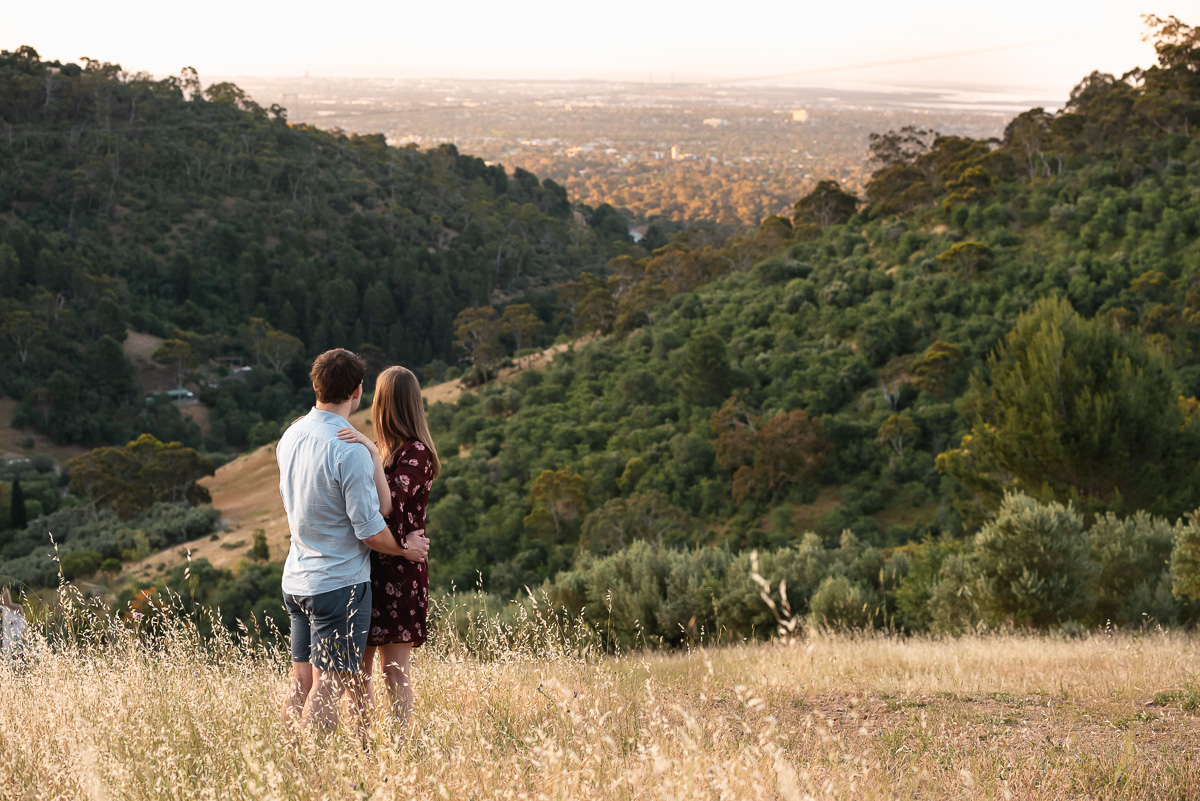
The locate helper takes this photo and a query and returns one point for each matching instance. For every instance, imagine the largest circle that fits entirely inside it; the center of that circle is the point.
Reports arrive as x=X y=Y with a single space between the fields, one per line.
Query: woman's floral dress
x=400 y=588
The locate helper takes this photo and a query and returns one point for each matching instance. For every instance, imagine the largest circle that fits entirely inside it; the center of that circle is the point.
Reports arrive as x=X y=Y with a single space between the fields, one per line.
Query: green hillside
x=741 y=401
x=199 y=216
x=969 y=398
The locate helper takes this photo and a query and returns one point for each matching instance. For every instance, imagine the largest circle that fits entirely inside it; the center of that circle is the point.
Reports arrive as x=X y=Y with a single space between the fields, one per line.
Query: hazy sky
x=1038 y=47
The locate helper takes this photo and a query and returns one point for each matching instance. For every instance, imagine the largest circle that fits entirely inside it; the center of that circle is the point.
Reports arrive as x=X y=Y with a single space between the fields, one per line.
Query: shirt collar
x=328 y=418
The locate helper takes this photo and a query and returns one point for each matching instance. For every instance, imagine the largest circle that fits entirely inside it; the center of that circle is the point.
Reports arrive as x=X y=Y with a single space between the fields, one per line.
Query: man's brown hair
x=336 y=374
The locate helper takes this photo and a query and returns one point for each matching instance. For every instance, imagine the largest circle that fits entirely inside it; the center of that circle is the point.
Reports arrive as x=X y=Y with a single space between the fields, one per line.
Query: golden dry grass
x=825 y=717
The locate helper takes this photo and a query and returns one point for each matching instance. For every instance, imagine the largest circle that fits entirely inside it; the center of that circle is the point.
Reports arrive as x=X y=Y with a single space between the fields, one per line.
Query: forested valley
x=969 y=398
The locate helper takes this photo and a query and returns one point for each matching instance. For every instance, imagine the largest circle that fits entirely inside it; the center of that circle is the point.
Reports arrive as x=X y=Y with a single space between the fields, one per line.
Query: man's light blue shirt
x=328 y=490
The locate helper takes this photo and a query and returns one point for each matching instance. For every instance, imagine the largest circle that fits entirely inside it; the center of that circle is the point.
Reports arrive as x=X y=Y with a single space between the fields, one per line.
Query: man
x=329 y=495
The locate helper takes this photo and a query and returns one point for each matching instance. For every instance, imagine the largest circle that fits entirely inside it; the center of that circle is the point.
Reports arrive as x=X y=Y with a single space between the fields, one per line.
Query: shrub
x=953 y=597
x=1032 y=563
x=1185 y=561
x=80 y=564
x=844 y=604
x=1133 y=576
x=260 y=552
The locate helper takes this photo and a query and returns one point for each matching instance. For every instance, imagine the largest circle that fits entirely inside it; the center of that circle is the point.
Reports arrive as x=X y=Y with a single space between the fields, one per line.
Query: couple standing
x=355 y=582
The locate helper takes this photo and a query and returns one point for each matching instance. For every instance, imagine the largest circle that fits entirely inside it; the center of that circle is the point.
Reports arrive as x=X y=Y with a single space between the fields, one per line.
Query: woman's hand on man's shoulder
x=354 y=435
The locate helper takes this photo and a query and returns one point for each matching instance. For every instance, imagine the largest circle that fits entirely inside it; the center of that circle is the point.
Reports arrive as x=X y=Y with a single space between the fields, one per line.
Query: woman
x=12 y=627
x=406 y=463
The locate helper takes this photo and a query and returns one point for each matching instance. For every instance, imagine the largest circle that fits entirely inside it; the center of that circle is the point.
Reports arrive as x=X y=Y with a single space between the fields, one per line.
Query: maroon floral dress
x=400 y=588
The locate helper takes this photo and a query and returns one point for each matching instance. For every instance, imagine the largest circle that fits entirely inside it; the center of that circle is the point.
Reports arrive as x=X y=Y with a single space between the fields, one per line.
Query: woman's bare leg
x=397 y=676
x=368 y=671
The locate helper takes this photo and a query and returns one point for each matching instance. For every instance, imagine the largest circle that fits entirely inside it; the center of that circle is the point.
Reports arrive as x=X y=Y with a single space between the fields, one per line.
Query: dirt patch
x=449 y=391
x=198 y=413
x=246 y=491
x=445 y=392
x=13 y=441
x=807 y=516
x=139 y=349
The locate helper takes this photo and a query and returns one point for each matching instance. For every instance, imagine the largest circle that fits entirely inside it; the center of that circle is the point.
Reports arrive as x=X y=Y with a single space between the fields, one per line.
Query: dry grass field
x=537 y=714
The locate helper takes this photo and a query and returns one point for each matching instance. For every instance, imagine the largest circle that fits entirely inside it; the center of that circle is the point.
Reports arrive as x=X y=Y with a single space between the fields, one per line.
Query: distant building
x=178 y=395
x=714 y=122
x=638 y=233
x=674 y=152
x=800 y=115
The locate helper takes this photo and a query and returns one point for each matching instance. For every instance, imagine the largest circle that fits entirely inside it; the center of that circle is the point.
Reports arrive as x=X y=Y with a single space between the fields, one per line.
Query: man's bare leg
x=292 y=708
x=321 y=710
x=359 y=701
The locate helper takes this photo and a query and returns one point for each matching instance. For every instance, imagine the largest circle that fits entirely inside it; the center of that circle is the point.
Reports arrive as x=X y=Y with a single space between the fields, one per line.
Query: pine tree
x=16 y=516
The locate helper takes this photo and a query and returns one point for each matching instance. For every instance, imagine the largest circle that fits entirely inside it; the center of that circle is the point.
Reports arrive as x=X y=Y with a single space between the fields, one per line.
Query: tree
x=557 y=495
x=233 y=95
x=895 y=430
x=279 y=348
x=1075 y=411
x=23 y=330
x=1026 y=137
x=1133 y=577
x=972 y=186
x=900 y=147
x=16 y=515
x=899 y=188
x=966 y=258
x=769 y=456
x=253 y=334
x=826 y=205
x=100 y=475
x=939 y=370
x=80 y=564
x=260 y=551
x=521 y=323
x=477 y=335
x=1170 y=88
x=144 y=472
x=704 y=373
x=791 y=449
x=596 y=311
x=840 y=603
x=5 y=512
x=1185 y=559
x=648 y=517
x=178 y=354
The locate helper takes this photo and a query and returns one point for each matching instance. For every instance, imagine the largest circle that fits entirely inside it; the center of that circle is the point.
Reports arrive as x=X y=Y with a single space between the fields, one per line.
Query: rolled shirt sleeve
x=358 y=487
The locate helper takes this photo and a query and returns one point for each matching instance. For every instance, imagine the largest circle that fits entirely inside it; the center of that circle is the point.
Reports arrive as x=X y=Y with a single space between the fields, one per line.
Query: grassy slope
x=853 y=718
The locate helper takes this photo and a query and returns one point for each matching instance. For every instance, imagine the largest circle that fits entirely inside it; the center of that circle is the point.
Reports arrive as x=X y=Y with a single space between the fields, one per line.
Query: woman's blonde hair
x=398 y=416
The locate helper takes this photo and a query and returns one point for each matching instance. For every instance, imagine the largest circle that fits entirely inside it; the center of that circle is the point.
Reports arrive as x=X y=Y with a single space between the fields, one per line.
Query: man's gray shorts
x=330 y=629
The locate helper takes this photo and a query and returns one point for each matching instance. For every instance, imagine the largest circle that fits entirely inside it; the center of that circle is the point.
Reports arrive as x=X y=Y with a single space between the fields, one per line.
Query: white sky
x=1048 y=44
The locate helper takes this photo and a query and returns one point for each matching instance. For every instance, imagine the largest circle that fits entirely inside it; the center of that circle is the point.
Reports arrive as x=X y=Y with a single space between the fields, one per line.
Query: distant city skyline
x=1031 y=49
